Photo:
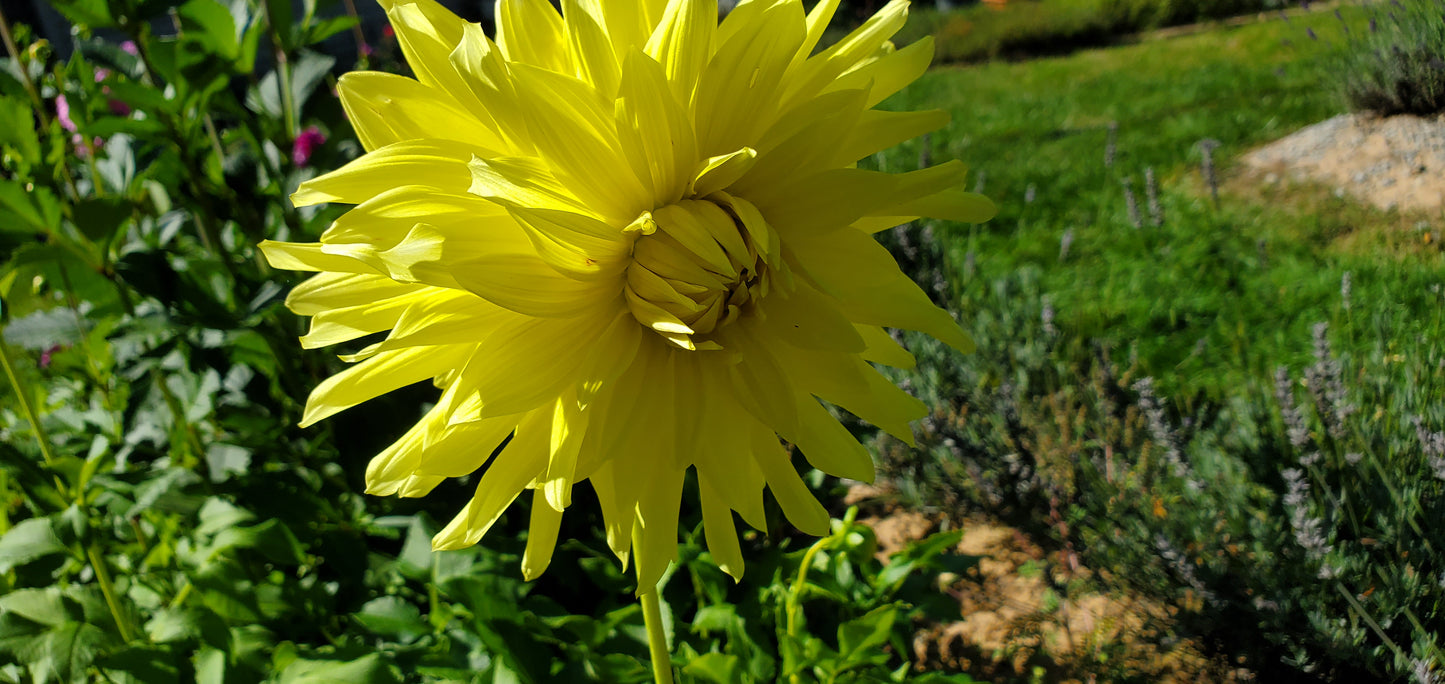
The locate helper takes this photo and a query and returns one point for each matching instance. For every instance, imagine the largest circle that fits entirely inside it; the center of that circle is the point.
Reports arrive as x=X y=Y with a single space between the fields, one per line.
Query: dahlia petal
x=890 y=73
x=657 y=511
x=617 y=510
x=438 y=164
x=612 y=355
x=527 y=362
x=721 y=534
x=737 y=92
x=522 y=182
x=576 y=147
x=798 y=504
x=487 y=78
x=846 y=381
x=575 y=245
x=377 y=376
x=827 y=201
x=333 y=326
x=527 y=285
x=518 y=464
x=461 y=449
x=428 y=33
x=386 y=218
x=340 y=290
x=818 y=19
x=592 y=57
x=883 y=349
x=387 y=108
x=721 y=171
x=448 y=317
x=389 y=471
x=530 y=31
x=953 y=204
x=682 y=43
x=827 y=445
x=311 y=256
x=806 y=318
x=822 y=69
x=569 y=428
x=802 y=138
x=879 y=130
x=542 y=532
x=870 y=289
x=654 y=130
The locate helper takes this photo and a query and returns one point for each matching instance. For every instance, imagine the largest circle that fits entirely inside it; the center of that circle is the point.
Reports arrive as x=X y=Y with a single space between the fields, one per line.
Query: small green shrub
x=1397 y=64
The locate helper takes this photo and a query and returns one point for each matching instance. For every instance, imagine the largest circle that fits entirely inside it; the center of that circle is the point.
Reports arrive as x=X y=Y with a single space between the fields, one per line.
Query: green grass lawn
x=1209 y=305
x=1248 y=278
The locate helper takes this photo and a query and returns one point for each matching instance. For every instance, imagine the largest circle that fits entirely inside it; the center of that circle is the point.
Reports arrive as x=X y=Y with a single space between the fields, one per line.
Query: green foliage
x=162 y=518
x=1124 y=399
x=1392 y=62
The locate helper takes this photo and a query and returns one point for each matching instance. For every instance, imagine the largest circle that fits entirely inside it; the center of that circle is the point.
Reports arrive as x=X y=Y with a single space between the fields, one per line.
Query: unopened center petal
x=697 y=265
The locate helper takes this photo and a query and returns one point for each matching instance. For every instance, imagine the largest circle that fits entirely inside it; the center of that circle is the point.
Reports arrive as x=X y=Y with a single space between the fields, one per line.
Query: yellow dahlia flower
x=633 y=240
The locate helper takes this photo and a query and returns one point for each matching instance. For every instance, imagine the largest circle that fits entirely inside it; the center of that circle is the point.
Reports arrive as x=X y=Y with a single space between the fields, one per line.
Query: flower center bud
x=698 y=265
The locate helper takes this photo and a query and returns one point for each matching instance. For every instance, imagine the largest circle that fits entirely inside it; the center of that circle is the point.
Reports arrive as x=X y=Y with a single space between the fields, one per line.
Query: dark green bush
x=1396 y=65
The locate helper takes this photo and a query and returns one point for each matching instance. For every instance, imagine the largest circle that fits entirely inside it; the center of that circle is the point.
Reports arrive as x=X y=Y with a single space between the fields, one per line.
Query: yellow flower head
x=634 y=240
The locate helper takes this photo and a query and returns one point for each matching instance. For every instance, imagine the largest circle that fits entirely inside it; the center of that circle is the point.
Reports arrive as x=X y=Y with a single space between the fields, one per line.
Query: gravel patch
x=1394 y=162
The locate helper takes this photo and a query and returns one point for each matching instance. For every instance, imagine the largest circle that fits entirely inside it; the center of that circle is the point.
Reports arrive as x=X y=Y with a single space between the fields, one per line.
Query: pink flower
x=62 y=112
x=49 y=352
x=130 y=48
x=305 y=144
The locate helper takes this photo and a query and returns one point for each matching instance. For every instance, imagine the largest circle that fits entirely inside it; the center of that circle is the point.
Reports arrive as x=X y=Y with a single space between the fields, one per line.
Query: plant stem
x=652 y=617
x=107 y=588
x=801 y=581
x=23 y=396
x=656 y=640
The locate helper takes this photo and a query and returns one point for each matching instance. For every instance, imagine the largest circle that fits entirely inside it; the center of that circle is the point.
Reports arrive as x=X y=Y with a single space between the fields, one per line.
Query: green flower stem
x=795 y=596
x=23 y=396
x=652 y=617
x=107 y=589
x=656 y=640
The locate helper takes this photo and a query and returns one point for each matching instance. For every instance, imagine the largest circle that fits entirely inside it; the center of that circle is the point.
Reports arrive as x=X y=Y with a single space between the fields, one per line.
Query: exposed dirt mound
x=1394 y=162
x=1026 y=612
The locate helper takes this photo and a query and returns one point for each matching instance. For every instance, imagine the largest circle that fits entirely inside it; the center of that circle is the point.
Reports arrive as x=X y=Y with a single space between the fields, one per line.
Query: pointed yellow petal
x=870 y=289
x=883 y=349
x=377 y=376
x=657 y=511
x=541 y=538
x=722 y=535
x=438 y=164
x=518 y=464
x=654 y=130
x=738 y=92
x=386 y=109
x=527 y=285
x=593 y=59
x=530 y=31
x=802 y=509
x=339 y=290
x=721 y=171
x=683 y=43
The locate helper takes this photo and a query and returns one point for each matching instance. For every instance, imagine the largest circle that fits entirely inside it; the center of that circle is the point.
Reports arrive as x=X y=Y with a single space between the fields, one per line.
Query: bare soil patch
x=1396 y=162
x=1025 y=611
